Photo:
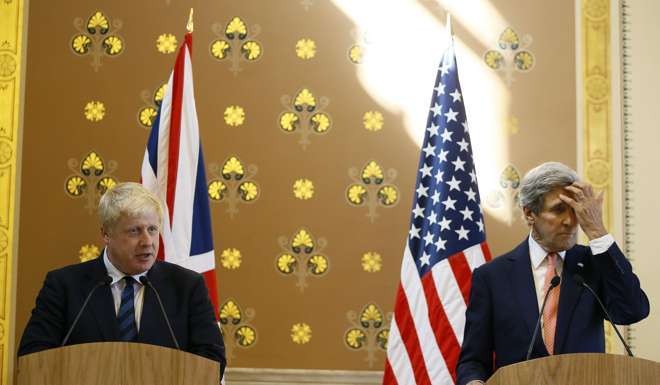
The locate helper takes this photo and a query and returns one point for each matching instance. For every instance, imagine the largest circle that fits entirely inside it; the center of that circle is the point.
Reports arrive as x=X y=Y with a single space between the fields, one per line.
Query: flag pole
x=189 y=26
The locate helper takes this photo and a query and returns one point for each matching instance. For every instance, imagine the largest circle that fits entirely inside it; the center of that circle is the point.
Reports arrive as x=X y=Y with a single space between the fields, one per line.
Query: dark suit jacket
x=182 y=291
x=503 y=308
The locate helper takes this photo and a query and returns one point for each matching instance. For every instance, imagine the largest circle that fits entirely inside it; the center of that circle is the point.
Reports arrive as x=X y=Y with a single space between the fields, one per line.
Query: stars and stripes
x=446 y=242
x=173 y=169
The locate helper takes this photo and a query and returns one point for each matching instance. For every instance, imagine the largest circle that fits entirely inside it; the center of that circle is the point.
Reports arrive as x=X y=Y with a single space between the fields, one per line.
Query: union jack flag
x=173 y=169
x=446 y=242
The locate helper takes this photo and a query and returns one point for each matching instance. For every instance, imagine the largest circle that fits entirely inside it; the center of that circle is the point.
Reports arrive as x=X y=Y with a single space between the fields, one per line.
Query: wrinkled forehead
x=551 y=198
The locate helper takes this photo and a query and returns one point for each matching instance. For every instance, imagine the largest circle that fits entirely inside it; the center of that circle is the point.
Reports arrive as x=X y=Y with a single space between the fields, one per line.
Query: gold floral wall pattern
x=372 y=188
x=88 y=252
x=91 y=177
x=368 y=332
x=97 y=37
x=233 y=184
x=302 y=256
x=237 y=330
x=511 y=55
x=151 y=103
x=236 y=43
x=305 y=115
x=505 y=197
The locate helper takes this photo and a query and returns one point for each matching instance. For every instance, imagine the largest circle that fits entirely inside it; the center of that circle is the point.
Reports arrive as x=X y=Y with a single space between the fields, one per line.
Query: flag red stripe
x=212 y=286
x=444 y=333
x=486 y=251
x=408 y=333
x=461 y=268
x=175 y=129
x=388 y=376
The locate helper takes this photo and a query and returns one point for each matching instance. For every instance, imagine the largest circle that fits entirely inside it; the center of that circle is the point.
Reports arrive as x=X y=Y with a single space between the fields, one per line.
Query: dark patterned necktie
x=126 y=315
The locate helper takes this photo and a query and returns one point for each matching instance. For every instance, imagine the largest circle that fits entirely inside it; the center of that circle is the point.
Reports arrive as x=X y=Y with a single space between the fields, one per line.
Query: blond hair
x=130 y=199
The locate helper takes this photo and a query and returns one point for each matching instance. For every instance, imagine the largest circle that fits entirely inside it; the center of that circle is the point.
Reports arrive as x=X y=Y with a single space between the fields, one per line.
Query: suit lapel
x=568 y=298
x=102 y=304
x=523 y=285
x=151 y=316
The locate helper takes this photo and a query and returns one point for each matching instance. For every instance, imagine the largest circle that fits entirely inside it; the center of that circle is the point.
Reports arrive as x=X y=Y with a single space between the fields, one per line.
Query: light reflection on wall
x=404 y=41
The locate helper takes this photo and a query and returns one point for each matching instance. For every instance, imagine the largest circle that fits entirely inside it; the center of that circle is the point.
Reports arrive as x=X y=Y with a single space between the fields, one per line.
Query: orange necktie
x=550 y=310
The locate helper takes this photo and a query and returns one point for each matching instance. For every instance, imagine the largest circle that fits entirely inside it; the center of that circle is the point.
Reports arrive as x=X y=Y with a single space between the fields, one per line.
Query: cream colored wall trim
x=13 y=27
x=596 y=161
x=265 y=376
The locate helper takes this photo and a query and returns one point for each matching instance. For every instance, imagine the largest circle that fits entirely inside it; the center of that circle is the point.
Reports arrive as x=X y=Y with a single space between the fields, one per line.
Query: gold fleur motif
x=305 y=97
x=251 y=50
x=355 y=338
x=98 y=21
x=249 y=191
x=113 y=45
x=509 y=39
x=92 y=163
x=302 y=238
x=494 y=59
x=233 y=165
x=80 y=44
x=289 y=121
x=382 y=338
x=166 y=43
x=217 y=190
x=356 y=54
x=245 y=336
x=305 y=49
x=234 y=115
x=5 y=152
x=75 y=185
x=356 y=194
x=230 y=258
x=371 y=314
x=219 y=49
x=303 y=189
x=230 y=311
x=371 y=262
x=321 y=122
x=524 y=60
x=147 y=116
x=286 y=263
x=388 y=195
x=301 y=333
x=372 y=172
x=106 y=184
x=318 y=264
x=373 y=120
x=94 y=111
x=236 y=26
x=159 y=95
x=88 y=252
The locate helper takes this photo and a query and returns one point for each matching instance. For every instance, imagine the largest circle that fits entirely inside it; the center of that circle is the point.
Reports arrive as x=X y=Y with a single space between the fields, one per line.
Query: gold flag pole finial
x=450 y=30
x=189 y=26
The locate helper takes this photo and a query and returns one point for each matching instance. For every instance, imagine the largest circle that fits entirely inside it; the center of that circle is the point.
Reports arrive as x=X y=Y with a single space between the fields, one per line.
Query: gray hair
x=129 y=198
x=540 y=180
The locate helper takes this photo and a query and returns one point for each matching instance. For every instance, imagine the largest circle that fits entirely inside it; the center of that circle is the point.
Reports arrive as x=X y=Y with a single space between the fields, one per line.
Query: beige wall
x=643 y=159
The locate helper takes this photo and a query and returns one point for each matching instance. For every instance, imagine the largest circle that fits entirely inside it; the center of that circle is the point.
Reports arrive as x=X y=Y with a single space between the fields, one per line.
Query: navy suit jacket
x=182 y=291
x=503 y=308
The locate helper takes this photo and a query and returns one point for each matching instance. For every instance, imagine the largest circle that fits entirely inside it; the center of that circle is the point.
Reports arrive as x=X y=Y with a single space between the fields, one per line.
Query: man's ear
x=529 y=215
x=105 y=235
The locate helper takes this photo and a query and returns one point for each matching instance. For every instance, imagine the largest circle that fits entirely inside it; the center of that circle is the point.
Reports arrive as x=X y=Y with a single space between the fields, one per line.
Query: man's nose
x=570 y=219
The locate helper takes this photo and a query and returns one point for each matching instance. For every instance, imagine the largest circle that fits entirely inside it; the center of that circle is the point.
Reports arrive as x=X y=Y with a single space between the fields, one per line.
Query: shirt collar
x=537 y=254
x=115 y=273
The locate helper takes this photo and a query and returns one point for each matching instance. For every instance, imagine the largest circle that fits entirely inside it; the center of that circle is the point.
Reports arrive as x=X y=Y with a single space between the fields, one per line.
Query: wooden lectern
x=579 y=369
x=116 y=363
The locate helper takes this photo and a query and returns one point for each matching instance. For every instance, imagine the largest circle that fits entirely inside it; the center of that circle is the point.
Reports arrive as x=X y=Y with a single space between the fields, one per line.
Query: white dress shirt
x=118 y=284
x=540 y=262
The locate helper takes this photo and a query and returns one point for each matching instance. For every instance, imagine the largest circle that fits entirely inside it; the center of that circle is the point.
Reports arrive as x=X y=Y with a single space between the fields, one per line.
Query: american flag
x=173 y=169
x=446 y=242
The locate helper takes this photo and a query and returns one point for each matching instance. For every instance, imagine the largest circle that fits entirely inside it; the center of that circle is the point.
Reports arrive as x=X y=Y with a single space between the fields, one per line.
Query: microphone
x=580 y=281
x=145 y=281
x=553 y=283
x=105 y=281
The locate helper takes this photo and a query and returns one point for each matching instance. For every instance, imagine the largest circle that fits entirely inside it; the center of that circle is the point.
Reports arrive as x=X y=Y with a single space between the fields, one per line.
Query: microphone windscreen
x=555 y=281
x=107 y=280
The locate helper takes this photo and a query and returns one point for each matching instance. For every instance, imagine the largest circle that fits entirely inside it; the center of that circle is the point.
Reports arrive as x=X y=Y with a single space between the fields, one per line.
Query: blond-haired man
x=123 y=283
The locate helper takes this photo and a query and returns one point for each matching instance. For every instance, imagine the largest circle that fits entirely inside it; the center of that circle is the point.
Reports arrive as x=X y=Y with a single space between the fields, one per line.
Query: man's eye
x=153 y=230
